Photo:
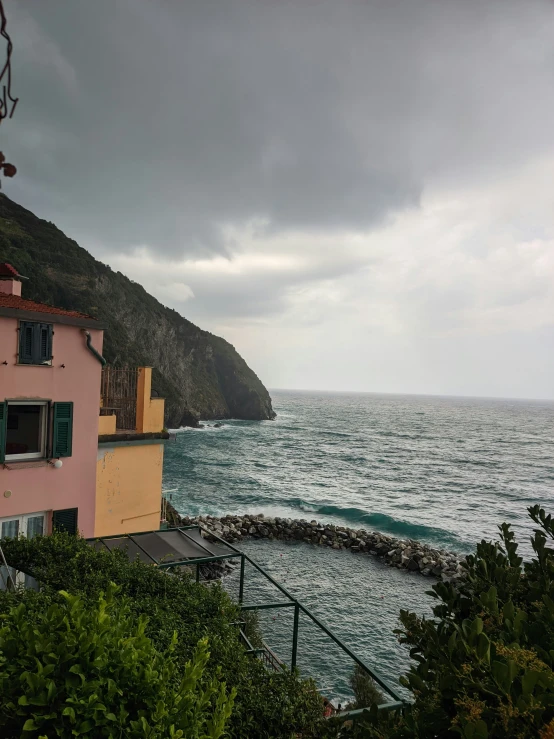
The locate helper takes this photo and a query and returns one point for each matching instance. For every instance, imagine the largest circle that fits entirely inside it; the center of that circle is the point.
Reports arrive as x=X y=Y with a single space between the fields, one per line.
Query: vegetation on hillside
x=194 y=370
x=174 y=614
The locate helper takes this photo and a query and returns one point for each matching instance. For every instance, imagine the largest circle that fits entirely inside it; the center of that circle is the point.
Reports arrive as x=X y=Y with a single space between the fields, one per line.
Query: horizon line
x=417 y=395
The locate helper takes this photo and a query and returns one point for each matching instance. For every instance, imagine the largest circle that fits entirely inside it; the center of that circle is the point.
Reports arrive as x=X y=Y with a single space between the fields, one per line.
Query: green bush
x=483 y=667
x=71 y=670
x=366 y=692
x=266 y=705
x=251 y=628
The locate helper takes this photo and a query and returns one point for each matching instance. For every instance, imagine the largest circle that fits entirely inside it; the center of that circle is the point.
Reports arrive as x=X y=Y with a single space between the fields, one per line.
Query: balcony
x=127 y=407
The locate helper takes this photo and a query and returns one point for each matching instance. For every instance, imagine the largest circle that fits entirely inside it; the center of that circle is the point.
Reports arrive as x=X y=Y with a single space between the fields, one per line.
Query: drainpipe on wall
x=92 y=350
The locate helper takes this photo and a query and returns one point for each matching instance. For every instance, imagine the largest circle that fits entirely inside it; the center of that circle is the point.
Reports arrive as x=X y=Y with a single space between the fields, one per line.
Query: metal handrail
x=357 y=713
x=398 y=700
x=397 y=703
x=272 y=660
x=266 y=654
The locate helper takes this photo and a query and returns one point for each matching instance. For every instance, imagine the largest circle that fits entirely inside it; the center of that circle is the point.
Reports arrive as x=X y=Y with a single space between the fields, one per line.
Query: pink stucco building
x=50 y=372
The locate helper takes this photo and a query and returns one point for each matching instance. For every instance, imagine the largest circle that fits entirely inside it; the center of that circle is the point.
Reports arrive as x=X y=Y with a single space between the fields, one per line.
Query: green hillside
x=195 y=371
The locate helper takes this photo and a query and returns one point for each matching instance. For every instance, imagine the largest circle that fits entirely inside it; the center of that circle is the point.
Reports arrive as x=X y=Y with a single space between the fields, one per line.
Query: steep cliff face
x=197 y=372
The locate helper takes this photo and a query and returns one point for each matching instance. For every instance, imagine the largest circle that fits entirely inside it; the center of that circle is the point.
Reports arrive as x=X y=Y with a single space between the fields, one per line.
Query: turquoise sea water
x=443 y=470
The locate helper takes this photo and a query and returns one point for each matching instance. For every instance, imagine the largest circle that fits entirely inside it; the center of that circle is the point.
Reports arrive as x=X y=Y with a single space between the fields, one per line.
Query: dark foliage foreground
x=483 y=666
x=176 y=617
x=75 y=670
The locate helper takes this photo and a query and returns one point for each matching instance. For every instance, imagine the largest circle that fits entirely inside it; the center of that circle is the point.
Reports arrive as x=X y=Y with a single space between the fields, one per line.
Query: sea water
x=443 y=470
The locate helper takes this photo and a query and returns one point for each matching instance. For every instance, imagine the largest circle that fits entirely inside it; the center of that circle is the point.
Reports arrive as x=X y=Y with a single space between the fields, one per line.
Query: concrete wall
x=37 y=486
x=129 y=488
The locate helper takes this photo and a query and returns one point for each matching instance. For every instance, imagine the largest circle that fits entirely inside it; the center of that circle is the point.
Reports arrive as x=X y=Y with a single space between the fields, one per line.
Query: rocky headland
x=199 y=375
x=405 y=554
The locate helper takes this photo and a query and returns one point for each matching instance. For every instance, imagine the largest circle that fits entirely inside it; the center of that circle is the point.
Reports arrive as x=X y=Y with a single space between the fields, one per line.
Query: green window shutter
x=63 y=430
x=26 y=342
x=44 y=344
x=35 y=342
x=3 y=428
x=65 y=520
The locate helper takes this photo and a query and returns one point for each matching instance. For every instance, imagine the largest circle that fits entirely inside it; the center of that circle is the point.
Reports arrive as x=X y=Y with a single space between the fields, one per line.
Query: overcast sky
x=359 y=195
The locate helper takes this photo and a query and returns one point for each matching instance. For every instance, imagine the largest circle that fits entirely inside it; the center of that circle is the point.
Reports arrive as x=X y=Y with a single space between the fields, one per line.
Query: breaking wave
x=385 y=523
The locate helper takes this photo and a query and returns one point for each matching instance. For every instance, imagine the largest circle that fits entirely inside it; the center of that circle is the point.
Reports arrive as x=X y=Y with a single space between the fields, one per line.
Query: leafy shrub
x=484 y=669
x=266 y=705
x=366 y=692
x=70 y=670
x=251 y=628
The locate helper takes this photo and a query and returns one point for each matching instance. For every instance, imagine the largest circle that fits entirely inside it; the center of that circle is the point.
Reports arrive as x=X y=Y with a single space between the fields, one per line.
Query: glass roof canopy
x=165 y=548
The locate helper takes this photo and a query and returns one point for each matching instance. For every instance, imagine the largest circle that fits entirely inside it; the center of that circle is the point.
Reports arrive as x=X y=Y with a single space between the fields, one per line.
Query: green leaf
x=502 y=675
x=416 y=682
x=475 y=730
x=69 y=711
x=529 y=680
x=508 y=610
x=483 y=647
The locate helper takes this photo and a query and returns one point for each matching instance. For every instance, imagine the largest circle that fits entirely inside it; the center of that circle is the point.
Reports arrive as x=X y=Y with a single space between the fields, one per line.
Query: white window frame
x=43 y=430
x=23 y=519
x=20 y=578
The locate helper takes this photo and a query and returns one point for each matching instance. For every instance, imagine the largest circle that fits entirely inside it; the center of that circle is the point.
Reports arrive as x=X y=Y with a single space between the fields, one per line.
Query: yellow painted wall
x=128 y=488
x=106 y=425
x=153 y=419
x=150 y=411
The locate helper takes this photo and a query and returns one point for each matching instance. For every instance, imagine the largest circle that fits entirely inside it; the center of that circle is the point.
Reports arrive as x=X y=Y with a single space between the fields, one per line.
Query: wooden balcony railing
x=118 y=395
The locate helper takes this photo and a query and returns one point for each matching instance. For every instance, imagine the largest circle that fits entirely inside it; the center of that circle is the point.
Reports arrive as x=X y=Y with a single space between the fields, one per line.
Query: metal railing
x=264 y=653
x=118 y=393
x=396 y=702
x=271 y=660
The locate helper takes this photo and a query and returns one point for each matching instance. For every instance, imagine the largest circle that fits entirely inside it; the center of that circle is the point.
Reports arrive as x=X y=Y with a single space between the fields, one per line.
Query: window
x=35 y=429
x=35 y=343
x=30 y=525
x=65 y=520
x=10 y=528
x=26 y=430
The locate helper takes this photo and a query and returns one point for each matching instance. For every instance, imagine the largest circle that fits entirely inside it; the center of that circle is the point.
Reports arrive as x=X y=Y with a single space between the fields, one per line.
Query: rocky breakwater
x=407 y=554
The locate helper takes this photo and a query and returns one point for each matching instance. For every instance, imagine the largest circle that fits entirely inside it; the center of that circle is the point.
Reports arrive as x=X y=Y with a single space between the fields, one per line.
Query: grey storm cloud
x=163 y=122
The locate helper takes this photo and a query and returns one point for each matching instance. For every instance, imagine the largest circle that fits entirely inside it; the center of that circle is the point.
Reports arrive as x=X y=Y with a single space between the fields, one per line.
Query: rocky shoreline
x=407 y=554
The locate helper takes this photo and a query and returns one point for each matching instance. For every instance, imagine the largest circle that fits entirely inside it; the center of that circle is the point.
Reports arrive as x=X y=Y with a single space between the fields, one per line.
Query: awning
x=164 y=547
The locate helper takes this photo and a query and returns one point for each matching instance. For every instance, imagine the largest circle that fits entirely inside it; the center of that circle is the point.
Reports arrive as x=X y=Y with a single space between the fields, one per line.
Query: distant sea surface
x=443 y=470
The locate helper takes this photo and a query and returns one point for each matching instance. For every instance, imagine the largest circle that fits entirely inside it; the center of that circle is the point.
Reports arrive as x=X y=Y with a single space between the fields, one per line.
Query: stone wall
x=401 y=553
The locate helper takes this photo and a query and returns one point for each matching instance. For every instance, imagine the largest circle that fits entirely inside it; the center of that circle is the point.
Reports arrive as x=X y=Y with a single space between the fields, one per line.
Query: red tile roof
x=14 y=301
x=6 y=270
